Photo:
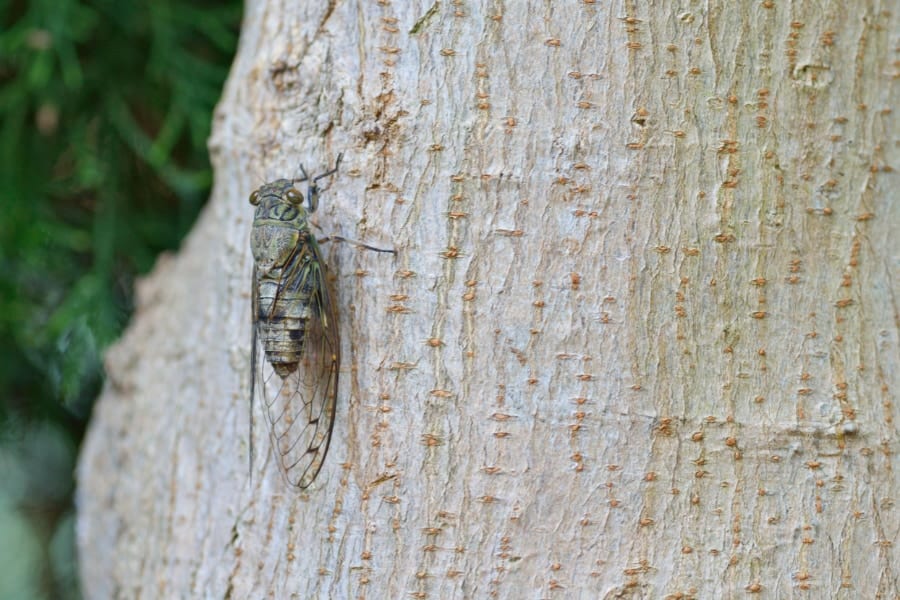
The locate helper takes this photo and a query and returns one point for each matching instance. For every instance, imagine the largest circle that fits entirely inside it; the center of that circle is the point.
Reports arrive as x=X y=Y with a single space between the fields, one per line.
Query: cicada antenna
x=312 y=190
x=337 y=165
x=338 y=238
x=301 y=179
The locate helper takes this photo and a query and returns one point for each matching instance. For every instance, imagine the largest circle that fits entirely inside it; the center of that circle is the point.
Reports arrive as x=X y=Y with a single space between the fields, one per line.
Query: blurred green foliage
x=105 y=108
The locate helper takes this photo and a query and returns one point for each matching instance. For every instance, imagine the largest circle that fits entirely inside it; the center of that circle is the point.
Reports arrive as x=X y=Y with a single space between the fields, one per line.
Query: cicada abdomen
x=296 y=353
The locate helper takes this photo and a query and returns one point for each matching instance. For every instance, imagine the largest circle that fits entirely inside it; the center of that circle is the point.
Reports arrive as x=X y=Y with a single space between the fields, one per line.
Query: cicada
x=296 y=351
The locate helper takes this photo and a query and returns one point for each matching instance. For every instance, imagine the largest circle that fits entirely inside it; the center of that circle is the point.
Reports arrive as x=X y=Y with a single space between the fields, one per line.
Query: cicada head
x=280 y=222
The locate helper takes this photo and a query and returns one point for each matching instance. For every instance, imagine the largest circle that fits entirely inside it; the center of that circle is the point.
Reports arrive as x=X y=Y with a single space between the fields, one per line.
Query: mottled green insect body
x=284 y=298
x=296 y=353
x=296 y=347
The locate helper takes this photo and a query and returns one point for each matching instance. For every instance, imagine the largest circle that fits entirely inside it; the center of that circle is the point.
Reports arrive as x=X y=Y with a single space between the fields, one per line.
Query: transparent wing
x=300 y=407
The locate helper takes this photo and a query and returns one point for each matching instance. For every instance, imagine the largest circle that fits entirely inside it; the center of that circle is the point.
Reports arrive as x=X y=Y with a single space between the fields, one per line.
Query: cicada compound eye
x=254 y=198
x=293 y=196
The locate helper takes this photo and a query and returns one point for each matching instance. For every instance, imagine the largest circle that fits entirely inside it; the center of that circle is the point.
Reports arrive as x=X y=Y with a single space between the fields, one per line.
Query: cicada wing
x=318 y=375
x=300 y=405
x=256 y=357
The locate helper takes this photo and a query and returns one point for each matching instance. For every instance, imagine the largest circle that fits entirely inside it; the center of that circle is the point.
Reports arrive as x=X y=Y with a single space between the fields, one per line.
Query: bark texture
x=640 y=339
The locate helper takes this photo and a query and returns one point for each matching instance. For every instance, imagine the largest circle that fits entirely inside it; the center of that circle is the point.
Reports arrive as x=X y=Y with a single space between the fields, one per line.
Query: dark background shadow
x=105 y=109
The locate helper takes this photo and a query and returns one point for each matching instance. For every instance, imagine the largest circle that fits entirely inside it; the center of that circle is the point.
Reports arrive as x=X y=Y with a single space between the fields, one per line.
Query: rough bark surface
x=640 y=338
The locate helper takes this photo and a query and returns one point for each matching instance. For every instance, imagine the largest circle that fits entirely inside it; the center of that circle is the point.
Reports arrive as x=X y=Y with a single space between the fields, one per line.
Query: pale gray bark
x=640 y=338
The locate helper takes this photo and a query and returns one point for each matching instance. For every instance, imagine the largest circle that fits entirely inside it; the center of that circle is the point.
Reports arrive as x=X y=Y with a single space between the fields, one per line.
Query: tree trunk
x=639 y=339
